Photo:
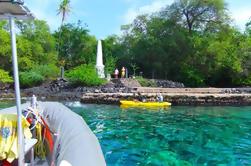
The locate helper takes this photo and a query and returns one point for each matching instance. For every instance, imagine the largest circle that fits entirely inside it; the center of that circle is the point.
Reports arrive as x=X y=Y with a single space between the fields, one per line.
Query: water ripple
x=178 y=136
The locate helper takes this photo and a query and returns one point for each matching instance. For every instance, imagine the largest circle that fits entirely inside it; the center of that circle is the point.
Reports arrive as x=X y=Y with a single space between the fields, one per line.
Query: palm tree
x=64 y=9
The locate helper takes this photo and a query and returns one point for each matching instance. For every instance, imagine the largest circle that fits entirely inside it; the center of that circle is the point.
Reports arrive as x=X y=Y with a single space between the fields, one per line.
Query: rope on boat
x=40 y=149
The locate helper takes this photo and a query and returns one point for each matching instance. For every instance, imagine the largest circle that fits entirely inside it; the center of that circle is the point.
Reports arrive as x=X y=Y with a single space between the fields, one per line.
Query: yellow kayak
x=144 y=104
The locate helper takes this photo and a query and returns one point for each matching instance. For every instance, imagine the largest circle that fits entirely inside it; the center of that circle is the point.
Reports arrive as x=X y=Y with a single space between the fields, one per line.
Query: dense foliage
x=84 y=75
x=5 y=77
x=49 y=71
x=145 y=82
x=75 y=45
x=110 y=49
x=38 y=51
x=38 y=74
x=189 y=41
x=30 y=78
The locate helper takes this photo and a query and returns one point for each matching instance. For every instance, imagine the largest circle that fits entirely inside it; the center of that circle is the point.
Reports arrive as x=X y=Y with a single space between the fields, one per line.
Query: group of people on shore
x=123 y=73
x=159 y=97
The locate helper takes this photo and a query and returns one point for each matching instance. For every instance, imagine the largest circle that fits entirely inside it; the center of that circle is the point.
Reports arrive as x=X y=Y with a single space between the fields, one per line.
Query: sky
x=104 y=17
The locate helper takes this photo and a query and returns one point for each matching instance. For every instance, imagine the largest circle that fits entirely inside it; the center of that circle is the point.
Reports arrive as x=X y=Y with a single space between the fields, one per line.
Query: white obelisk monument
x=99 y=61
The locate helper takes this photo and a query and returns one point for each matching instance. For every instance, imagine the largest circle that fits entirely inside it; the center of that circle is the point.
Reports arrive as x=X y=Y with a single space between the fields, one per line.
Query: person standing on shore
x=116 y=73
x=123 y=72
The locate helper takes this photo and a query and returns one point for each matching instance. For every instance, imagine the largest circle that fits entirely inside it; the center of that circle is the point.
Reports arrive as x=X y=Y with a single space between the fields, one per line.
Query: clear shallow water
x=6 y=104
x=177 y=136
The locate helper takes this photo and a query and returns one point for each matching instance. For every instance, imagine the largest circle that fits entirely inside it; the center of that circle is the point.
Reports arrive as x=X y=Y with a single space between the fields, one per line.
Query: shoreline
x=177 y=96
x=175 y=99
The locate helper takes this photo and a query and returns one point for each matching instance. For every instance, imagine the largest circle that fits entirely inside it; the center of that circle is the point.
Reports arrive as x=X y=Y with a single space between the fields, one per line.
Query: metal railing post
x=17 y=93
x=34 y=106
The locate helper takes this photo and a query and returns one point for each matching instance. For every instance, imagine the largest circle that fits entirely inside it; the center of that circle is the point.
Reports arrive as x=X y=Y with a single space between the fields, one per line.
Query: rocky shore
x=130 y=89
x=181 y=99
x=178 y=96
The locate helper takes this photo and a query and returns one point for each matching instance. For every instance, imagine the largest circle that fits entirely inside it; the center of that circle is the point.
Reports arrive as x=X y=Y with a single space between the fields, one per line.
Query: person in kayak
x=159 y=97
x=139 y=97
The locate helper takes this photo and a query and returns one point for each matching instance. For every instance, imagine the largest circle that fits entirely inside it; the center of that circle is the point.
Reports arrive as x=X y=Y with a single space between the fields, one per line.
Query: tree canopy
x=191 y=41
x=196 y=14
x=64 y=9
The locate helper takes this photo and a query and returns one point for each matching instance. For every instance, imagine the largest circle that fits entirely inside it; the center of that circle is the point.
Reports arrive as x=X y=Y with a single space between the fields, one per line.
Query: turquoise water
x=177 y=136
x=6 y=104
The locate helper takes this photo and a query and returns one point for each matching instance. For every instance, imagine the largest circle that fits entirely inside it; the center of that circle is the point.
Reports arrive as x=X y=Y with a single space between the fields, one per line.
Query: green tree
x=64 y=9
x=5 y=50
x=36 y=45
x=5 y=77
x=77 y=46
x=134 y=68
x=111 y=51
x=190 y=41
x=197 y=14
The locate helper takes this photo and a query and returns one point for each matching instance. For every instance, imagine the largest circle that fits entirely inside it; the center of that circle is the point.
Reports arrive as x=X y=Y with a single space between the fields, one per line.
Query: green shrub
x=145 y=82
x=30 y=79
x=246 y=81
x=5 y=77
x=49 y=71
x=84 y=75
x=193 y=77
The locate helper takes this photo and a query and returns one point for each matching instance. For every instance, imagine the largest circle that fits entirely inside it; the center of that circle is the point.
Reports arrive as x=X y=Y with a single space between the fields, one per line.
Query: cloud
x=241 y=16
x=155 y=6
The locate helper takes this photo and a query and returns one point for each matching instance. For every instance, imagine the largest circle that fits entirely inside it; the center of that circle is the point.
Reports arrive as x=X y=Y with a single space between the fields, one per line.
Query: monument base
x=100 y=71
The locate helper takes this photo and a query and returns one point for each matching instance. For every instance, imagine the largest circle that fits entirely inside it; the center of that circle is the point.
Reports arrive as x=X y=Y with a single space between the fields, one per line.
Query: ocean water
x=174 y=136
x=6 y=104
